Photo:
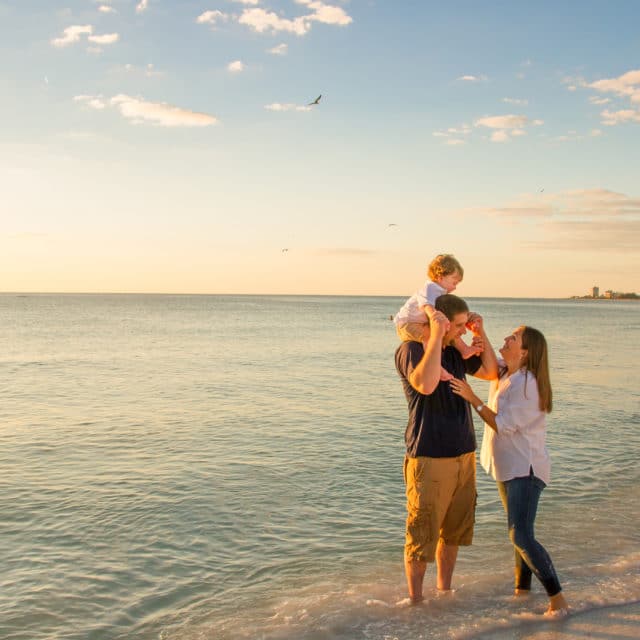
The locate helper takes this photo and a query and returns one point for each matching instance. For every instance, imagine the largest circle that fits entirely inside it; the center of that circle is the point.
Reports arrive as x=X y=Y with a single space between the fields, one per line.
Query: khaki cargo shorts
x=441 y=503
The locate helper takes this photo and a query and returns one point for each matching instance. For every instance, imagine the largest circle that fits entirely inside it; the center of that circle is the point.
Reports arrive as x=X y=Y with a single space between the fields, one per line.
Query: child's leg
x=413 y=331
x=466 y=351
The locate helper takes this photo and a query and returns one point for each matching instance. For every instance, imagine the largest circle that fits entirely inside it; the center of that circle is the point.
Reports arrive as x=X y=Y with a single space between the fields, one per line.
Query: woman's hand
x=462 y=388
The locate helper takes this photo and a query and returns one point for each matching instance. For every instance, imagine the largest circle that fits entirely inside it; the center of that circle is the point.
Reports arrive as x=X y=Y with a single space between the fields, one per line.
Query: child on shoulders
x=412 y=321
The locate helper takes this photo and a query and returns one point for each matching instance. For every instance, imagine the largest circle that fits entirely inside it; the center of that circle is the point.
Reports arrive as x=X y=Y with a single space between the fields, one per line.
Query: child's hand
x=475 y=323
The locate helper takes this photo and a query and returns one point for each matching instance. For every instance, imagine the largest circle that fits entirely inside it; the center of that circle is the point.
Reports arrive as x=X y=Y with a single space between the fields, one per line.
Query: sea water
x=221 y=467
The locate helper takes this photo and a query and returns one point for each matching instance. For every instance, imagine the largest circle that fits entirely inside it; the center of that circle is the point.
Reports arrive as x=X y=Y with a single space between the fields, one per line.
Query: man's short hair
x=451 y=305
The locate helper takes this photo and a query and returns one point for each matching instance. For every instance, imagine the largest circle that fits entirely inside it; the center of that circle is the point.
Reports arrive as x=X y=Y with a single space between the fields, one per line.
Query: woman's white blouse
x=520 y=441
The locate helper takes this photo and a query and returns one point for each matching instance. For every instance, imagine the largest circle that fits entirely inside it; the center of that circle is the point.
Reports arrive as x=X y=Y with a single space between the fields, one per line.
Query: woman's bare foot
x=522 y=593
x=558 y=606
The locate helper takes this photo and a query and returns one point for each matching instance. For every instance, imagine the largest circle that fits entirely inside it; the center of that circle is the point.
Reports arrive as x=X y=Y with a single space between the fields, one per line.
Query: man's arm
x=489 y=368
x=426 y=375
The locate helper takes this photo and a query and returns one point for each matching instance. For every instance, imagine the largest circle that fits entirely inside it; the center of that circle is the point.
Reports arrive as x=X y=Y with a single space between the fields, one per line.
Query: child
x=445 y=273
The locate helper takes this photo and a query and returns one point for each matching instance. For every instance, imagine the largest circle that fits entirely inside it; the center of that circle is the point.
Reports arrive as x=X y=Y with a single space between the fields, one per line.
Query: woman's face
x=512 y=350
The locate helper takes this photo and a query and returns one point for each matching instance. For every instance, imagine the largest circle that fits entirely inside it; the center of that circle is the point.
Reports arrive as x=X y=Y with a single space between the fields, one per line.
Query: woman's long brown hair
x=537 y=361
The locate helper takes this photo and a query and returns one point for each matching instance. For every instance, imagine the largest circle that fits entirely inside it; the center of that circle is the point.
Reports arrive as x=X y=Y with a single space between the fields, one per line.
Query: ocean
x=230 y=467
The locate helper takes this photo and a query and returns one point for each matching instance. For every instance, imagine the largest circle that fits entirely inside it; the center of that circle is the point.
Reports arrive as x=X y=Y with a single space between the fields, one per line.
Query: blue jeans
x=520 y=500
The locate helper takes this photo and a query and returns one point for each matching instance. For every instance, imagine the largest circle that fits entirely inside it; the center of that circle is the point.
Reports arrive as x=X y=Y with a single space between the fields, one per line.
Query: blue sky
x=168 y=146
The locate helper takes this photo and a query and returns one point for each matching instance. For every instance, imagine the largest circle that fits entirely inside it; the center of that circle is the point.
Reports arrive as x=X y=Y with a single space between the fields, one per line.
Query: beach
x=228 y=467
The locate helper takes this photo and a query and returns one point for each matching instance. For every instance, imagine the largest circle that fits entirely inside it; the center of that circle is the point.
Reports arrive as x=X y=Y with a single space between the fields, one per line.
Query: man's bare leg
x=446 y=555
x=415 y=570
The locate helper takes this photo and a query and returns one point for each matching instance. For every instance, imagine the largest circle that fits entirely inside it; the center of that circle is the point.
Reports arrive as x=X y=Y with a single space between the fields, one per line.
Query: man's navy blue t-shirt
x=440 y=424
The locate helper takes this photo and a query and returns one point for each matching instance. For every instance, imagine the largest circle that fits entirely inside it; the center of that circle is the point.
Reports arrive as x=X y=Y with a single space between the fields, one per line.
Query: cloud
x=628 y=84
x=625 y=86
x=499 y=136
x=502 y=122
x=253 y=2
x=140 y=111
x=462 y=130
x=472 y=78
x=578 y=219
x=594 y=100
x=212 y=17
x=72 y=35
x=276 y=106
x=505 y=126
x=279 y=49
x=611 y=118
x=95 y=102
x=236 y=66
x=327 y=14
x=107 y=38
x=594 y=133
x=517 y=101
x=106 y=9
x=263 y=21
x=267 y=21
x=142 y=6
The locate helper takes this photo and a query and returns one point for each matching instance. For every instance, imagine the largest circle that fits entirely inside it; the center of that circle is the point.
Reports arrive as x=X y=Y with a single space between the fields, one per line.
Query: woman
x=514 y=451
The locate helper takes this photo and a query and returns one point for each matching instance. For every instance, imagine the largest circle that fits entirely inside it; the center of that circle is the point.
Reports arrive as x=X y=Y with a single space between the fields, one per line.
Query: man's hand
x=439 y=323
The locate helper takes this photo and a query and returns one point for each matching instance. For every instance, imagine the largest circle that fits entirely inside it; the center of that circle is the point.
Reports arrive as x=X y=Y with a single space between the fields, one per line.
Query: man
x=440 y=464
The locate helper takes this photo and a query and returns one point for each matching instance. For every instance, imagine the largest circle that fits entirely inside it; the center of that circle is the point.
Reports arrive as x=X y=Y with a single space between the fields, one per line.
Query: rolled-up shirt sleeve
x=518 y=405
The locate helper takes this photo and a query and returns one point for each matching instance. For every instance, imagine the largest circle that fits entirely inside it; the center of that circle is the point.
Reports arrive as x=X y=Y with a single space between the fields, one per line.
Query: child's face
x=450 y=282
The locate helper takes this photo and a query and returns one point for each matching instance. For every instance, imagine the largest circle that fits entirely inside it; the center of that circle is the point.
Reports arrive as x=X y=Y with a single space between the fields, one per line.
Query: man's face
x=457 y=327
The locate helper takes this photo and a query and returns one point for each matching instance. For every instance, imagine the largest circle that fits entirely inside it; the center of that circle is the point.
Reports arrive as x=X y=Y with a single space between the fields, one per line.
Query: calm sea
x=220 y=467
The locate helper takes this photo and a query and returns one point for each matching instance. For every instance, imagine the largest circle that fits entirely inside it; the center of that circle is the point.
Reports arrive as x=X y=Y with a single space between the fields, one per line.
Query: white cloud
x=253 y=2
x=142 y=6
x=506 y=126
x=72 y=35
x=502 y=122
x=584 y=219
x=264 y=21
x=212 y=17
x=469 y=78
x=611 y=118
x=499 y=136
x=140 y=111
x=595 y=133
x=276 y=106
x=267 y=21
x=327 y=14
x=454 y=141
x=236 y=66
x=95 y=102
x=537 y=123
x=279 y=49
x=107 y=38
x=517 y=101
x=106 y=9
x=628 y=84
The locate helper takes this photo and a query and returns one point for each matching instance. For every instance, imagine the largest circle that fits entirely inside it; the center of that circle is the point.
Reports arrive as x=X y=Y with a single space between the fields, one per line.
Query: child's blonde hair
x=444 y=265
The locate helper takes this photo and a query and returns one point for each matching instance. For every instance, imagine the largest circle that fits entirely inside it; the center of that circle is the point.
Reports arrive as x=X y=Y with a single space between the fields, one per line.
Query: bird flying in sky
x=316 y=101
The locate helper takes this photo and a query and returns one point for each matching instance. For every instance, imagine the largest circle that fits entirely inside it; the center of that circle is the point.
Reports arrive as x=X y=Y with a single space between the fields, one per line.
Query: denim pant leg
x=522 y=573
x=521 y=496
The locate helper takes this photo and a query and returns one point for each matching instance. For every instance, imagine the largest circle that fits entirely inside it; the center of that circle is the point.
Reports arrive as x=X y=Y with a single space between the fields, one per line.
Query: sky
x=170 y=146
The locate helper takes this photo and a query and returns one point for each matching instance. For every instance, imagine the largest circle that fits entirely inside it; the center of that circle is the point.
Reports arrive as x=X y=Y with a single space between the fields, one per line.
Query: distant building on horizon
x=595 y=292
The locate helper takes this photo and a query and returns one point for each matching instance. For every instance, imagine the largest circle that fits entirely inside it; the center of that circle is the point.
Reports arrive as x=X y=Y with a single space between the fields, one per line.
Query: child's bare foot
x=445 y=376
x=467 y=351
